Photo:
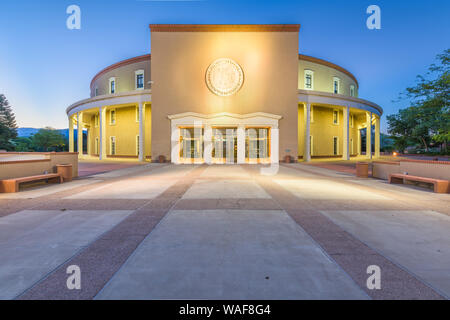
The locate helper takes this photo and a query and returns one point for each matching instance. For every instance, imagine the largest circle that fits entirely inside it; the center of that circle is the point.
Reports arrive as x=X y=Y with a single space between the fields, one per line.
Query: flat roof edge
x=224 y=27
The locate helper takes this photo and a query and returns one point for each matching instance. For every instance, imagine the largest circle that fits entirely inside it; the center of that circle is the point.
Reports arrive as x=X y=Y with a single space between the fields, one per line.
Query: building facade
x=224 y=94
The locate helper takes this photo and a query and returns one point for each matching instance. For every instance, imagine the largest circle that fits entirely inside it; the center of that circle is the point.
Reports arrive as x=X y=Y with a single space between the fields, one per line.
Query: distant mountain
x=27 y=132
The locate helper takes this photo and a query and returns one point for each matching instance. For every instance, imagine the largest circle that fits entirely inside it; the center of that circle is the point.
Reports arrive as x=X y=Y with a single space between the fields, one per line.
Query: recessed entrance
x=191 y=145
x=257 y=145
x=225 y=138
x=224 y=142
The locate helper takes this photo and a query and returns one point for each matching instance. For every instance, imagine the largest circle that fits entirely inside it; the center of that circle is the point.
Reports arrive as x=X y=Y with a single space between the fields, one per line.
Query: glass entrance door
x=191 y=145
x=224 y=142
x=257 y=145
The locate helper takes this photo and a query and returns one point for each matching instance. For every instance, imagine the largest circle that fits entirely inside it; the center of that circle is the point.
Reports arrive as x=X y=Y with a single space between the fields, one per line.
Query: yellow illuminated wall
x=125 y=129
x=323 y=130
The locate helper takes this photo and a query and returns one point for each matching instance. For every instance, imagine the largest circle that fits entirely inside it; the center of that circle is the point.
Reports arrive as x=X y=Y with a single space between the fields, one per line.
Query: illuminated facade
x=224 y=94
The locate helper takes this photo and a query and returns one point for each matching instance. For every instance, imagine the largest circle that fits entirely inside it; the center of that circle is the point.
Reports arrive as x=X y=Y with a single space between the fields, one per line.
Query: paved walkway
x=161 y=231
x=87 y=168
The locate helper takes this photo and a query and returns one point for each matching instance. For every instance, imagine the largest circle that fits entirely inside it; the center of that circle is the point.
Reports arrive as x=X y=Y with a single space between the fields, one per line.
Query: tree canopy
x=8 y=126
x=427 y=119
x=47 y=139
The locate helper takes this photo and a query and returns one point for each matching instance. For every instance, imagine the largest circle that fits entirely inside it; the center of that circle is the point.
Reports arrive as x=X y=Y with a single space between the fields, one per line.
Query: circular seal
x=224 y=77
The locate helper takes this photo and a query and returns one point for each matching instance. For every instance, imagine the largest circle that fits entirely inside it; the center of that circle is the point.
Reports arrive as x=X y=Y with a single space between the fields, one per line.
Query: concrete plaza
x=161 y=231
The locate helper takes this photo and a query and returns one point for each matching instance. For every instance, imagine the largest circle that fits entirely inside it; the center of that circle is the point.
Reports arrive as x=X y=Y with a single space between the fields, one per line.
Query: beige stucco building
x=221 y=94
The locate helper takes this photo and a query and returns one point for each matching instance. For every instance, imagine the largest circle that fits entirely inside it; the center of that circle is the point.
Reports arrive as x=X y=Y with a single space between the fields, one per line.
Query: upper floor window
x=96 y=122
x=352 y=90
x=335 y=116
x=96 y=91
x=112 y=85
x=336 y=85
x=352 y=119
x=139 y=79
x=309 y=79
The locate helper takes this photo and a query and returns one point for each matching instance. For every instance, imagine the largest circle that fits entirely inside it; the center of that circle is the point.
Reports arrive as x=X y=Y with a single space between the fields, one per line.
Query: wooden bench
x=12 y=185
x=440 y=186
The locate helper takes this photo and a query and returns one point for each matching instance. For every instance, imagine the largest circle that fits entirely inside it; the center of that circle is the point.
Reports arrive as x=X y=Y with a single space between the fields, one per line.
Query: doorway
x=224 y=143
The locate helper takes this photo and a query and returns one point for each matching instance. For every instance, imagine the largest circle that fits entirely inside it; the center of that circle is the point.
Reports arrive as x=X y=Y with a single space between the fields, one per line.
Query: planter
x=362 y=169
x=162 y=159
x=287 y=159
x=65 y=170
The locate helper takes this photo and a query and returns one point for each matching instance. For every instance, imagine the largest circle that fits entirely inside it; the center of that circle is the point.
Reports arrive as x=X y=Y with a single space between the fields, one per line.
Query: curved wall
x=124 y=72
x=324 y=72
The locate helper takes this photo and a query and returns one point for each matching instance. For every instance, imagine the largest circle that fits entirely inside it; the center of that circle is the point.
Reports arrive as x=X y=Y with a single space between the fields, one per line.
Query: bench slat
x=12 y=185
x=440 y=186
x=35 y=178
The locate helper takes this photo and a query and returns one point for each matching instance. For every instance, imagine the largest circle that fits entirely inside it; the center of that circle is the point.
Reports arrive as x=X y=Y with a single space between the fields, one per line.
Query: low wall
x=382 y=169
x=428 y=169
x=421 y=168
x=15 y=165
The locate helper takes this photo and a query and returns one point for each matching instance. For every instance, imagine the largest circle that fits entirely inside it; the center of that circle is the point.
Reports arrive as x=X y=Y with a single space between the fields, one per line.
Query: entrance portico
x=224 y=138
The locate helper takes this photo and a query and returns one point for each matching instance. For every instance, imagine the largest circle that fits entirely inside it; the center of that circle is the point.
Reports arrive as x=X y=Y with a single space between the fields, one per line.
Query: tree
x=47 y=139
x=428 y=117
x=8 y=126
x=22 y=144
x=407 y=128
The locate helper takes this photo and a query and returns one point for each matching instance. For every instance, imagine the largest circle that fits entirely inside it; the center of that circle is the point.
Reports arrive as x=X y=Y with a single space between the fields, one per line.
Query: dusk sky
x=44 y=67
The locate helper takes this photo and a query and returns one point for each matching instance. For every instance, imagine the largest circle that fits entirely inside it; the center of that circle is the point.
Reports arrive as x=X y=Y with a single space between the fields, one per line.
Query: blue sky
x=44 y=67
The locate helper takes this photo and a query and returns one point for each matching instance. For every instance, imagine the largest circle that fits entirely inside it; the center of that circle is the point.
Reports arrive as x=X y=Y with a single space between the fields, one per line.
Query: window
x=311 y=140
x=96 y=91
x=191 y=144
x=113 y=145
x=336 y=85
x=336 y=117
x=139 y=79
x=112 y=85
x=96 y=121
x=309 y=80
x=351 y=147
x=351 y=120
x=137 y=113
x=311 y=114
x=257 y=145
x=112 y=116
x=137 y=145
x=352 y=90
x=335 y=146
x=96 y=146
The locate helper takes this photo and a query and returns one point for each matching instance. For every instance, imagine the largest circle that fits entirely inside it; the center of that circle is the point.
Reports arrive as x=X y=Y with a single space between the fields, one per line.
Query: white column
x=241 y=144
x=207 y=138
x=175 y=144
x=307 y=124
x=369 y=136
x=71 y=144
x=274 y=145
x=80 y=133
x=141 y=132
x=377 y=136
x=102 y=120
x=346 y=135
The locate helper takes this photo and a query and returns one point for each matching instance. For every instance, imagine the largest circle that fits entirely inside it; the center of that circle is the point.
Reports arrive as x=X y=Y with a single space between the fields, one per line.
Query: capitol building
x=224 y=94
